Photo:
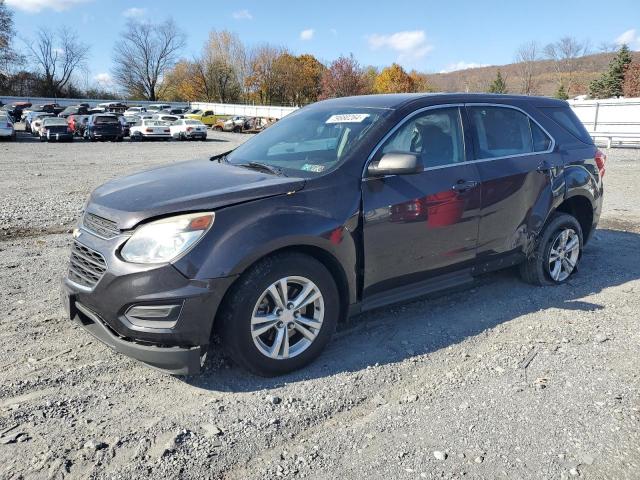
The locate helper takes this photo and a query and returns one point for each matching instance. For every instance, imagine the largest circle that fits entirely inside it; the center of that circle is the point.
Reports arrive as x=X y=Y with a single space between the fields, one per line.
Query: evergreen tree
x=561 y=93
x=610 y=84
x=499 y=85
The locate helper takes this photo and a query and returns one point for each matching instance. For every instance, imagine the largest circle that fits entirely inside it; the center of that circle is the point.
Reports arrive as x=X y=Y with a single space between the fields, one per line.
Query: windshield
x=311 y=140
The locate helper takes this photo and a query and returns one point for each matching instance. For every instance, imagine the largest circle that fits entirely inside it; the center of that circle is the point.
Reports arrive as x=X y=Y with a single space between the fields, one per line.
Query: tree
x=143 y=56
x=610 y=83
x=499 y=84
x=57 y=55
x=561 y=93
x=527 y=57
x=343 y=78
x=311 y=72
x=631 y=86
x=369 y=75
x=8 y=56
x=221 y=67
x=420 y=82
x=393 y=79
x=566 y=54
x=182 y=84
x=263 y=82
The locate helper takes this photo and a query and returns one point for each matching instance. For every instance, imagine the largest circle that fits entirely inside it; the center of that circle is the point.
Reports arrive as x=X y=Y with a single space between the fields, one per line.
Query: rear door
x=520 y=174
x=420 y=225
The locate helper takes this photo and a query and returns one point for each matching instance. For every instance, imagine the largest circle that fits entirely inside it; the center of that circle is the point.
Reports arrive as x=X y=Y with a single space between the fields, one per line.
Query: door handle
x=464 y=185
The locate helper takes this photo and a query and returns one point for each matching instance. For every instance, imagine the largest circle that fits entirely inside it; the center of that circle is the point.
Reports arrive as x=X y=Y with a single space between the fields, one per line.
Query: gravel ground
x=536 y=383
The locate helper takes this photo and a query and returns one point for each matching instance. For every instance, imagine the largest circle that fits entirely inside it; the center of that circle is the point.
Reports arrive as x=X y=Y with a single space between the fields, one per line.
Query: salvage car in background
x=103 y=126
x=81 y=109
x=188 y=129
x=37 y=122
x=205 y=116
x=77 y=124
x=32 y=117
x=55 y=129
x=150 y=129
x=7 y=129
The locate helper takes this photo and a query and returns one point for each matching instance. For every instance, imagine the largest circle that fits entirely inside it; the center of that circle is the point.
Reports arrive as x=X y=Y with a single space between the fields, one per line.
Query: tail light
x=189 y=129
x=601 y=159
x=149 y=130
x=69 y=130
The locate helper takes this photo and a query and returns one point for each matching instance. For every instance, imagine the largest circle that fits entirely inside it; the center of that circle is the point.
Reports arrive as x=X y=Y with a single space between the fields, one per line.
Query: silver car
x=7 y=129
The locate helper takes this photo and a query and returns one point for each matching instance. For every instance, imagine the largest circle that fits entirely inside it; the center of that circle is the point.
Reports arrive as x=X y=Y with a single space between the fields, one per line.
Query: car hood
x=195 y=185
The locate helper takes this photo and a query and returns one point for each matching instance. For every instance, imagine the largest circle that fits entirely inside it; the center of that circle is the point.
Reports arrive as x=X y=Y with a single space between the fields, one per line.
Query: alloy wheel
x=564 y=254
x=287 y=317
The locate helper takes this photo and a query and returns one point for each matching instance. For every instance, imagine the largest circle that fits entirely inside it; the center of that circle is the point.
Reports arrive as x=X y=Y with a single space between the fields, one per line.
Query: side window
x=500 y=131
x=207 y=113
x=541 y=141
x=435 y=136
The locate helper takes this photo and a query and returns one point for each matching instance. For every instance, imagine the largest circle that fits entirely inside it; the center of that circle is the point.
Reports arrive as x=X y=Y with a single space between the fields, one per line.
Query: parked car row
x=115 y=121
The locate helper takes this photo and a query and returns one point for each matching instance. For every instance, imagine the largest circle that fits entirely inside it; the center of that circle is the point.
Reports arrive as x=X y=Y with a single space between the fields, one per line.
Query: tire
x=538 y=268
x=249 y=295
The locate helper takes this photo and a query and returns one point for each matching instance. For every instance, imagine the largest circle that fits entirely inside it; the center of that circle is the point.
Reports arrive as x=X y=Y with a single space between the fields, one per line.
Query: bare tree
x=58 y=55
x=144 y=54
x=608 y=47
x=220 y=67
x=527 y=57
x=566 y=54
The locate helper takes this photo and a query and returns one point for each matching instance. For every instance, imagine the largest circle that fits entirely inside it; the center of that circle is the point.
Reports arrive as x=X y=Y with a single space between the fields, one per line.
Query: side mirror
x=394 y=163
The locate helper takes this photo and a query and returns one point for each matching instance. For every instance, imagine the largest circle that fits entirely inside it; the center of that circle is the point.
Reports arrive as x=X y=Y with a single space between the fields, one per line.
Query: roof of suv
x=396 y=100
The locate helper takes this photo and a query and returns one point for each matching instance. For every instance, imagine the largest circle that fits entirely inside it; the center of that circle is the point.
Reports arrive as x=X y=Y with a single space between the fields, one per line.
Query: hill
x=545 y=76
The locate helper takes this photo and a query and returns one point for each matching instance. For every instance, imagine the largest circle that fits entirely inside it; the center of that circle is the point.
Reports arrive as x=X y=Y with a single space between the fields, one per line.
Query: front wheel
x=280 y=315
x=557 y=252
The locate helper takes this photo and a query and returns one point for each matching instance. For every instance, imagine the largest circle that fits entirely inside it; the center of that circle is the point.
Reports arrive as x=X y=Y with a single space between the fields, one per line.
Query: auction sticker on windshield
x=347 y=118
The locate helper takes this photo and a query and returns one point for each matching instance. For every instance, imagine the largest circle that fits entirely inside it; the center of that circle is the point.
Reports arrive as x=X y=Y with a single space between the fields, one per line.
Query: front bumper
x=174 y=347
x=59 y=137
x=173 y=360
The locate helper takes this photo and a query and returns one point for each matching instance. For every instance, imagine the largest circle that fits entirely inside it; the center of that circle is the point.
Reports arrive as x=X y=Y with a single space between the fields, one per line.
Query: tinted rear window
x=106 y=120
x=565 y=117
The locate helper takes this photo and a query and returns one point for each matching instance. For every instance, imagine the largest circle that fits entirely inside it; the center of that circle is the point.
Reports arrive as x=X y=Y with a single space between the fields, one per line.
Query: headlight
x=163 y=240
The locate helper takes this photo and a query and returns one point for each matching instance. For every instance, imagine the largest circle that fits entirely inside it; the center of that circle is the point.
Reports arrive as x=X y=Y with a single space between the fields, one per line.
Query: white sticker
x=347 y=118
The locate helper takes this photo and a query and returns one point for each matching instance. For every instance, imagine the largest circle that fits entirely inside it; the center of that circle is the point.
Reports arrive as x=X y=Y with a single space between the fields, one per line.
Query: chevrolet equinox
x=343 y=206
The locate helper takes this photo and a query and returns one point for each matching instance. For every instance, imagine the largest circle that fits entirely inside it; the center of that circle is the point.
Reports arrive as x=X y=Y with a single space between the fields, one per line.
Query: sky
x=430 y=36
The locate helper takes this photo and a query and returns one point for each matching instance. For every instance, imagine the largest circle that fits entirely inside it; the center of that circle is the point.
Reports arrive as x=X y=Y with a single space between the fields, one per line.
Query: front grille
x=86 y=266
x=100 y=226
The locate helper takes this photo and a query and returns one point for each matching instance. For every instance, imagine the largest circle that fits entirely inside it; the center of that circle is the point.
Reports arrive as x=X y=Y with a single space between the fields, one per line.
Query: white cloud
x=134 y=12
x=462 y=65
x=104 y=80
x=630 y=37
x=36 y=6
x=307 y=34
x=242 y=15
x=410 y=45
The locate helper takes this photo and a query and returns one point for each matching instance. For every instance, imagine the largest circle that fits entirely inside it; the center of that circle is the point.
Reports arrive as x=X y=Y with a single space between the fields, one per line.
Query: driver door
x=420 y=225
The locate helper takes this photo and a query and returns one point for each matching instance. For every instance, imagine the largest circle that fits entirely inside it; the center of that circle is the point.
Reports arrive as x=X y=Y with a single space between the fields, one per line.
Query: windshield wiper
x=221 y=157
x=265 y=167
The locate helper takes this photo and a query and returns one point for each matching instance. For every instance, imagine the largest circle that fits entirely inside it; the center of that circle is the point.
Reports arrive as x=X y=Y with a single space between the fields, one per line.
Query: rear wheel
x=280 y=315
x=557 y=252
